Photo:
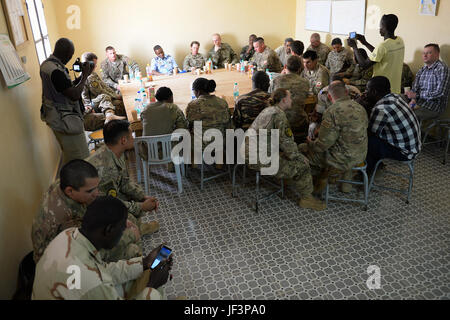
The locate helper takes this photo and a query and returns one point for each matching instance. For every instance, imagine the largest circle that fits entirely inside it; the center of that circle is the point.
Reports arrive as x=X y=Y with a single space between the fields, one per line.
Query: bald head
x=337 y=90
x=64 y=50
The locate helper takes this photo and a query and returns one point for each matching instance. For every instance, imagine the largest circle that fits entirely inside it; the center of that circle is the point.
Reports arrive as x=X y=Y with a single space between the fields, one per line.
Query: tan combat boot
x=110 y=116
x=309 y=202
x=149 y=228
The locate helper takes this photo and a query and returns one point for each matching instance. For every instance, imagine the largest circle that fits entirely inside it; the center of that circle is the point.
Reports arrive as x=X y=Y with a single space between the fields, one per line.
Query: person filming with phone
x=62 y=108
x=72 y=267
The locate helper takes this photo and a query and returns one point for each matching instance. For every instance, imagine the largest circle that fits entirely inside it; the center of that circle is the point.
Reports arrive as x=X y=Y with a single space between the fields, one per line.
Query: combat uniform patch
x=289 y=132
x=112 y=193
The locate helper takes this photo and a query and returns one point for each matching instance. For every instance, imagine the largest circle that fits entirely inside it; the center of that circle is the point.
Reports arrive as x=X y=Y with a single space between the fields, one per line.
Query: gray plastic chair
x=443 y=125
x=410 y=177
x=155 y=144
x=365 y=183
x=259 y=198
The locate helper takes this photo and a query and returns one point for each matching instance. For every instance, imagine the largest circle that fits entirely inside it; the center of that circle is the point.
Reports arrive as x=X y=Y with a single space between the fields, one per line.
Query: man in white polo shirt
x=387 y=58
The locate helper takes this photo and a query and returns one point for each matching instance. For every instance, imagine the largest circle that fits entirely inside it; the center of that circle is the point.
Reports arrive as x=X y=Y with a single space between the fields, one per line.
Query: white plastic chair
x=154 y=145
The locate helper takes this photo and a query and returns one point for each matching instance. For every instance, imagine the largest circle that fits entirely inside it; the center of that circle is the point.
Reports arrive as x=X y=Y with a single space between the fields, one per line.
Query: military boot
x=309 y=202
x=149 y=228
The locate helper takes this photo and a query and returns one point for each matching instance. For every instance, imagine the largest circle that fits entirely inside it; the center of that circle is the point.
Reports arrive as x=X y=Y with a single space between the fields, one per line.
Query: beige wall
x=136 y=27
x=416 y=30
x=28 y=159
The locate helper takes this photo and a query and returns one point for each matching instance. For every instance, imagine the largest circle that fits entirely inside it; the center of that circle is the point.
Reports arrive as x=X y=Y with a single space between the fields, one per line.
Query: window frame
x=42 y=38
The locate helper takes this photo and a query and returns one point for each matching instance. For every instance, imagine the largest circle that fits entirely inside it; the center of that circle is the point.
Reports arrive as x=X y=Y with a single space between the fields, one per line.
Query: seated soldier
x=394 y=128
x=265 y=58
x=342 y=141
x=162 y=63
x=324 y=102
x=250 y=105
x=221 y=53
x=297 y=48
x=292 y=164
x=299 y=88
x=115 y=66
x=161 y=118
x=79 y=248
x=248 y=51
x=64 y=206
x=340 y=59
x=284 y=52
x=317 y=75
x=360 y=76
x=320 y=48
x=114 y=178
x=102 y=104
x=194 y=60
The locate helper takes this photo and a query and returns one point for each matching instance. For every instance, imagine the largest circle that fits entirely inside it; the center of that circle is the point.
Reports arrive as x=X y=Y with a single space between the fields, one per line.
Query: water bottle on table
x=236 y=91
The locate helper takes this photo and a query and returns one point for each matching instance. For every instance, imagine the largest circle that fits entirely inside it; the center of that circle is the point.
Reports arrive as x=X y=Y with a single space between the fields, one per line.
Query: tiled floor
x=225 y=250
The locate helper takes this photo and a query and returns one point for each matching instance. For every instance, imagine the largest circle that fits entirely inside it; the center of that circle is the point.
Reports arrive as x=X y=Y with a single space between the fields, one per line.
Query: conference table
x=181 y=85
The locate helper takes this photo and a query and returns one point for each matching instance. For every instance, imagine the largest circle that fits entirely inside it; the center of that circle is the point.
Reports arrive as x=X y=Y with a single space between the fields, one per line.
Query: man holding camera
x=62 y=108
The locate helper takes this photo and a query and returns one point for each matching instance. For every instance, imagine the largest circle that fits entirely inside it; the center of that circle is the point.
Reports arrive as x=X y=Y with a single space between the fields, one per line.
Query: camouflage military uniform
x=281 y=52
x=342 y=141
x=247 y=56
x=125 y=279
x=322 y=52
x=159 y=119
x=58 y=212
x=248 y=107
x=318 y=78
x=340 y=61
x=298 y=119
x=112 y=72
x=268 y=59
x=360 y=77
x=191 y=61
x=224 y=55
x=212 y=111
x=407 y=77
x=292 y=164
x=114 y=180
x=102 y=99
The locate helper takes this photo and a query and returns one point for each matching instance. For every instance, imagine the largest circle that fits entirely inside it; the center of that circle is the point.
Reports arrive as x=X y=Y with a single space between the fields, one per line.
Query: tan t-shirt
x=389 y=56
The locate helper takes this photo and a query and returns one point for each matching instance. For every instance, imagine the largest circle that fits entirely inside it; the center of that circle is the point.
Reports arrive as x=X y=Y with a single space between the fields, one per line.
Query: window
x=39 y=28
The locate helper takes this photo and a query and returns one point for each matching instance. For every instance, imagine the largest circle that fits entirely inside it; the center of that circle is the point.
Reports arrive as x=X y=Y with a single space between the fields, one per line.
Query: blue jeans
x=380 y=149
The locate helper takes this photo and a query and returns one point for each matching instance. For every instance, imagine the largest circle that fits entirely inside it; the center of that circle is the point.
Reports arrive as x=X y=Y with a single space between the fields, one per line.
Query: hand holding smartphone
x=352 y=35
x=162 y=256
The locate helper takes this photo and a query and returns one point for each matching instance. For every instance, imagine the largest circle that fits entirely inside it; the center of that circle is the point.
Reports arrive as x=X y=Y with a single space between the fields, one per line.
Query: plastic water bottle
x=149 y=71
x=236 y=91
x=145 y=100
x=138 y=107
x=131 y=74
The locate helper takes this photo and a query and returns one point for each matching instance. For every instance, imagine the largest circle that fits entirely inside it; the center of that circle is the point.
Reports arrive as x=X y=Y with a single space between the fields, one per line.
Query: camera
x=78 y=65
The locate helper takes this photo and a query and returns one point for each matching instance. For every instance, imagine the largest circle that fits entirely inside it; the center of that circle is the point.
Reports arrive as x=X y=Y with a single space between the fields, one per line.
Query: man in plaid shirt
x=394 y=130
x=430 y=89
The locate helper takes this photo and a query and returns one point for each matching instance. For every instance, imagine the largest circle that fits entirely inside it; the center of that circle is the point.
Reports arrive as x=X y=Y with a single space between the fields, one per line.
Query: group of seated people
x=93 y=215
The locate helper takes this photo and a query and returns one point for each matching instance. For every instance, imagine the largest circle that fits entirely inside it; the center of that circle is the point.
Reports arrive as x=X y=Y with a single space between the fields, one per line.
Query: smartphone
x=352 y=35
x=163 y=255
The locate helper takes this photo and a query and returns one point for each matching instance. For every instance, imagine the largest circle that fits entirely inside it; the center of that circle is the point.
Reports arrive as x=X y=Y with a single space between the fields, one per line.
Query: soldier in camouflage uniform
x=407 y=77
x=64 y=206
x=212 y=111
x=299 y=88
x=316 y=74
x=102 y=103
x=265 y=58
x=292 y=164
x=342 y=141
x=194 y=60
x=340 y=60
x=247 y=52
x=115 y=66
x=102 y=225
x=250 y=105
x=114 y=179
x=359 y=77
x=284 y=52
x=320 y=48
x=221 y=53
